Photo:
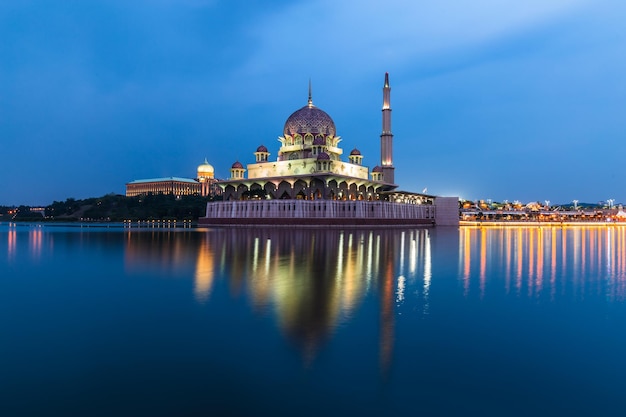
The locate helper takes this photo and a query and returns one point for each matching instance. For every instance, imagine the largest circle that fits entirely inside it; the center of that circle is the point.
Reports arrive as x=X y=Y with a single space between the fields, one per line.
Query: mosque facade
x=310 y=166
x=310 y=182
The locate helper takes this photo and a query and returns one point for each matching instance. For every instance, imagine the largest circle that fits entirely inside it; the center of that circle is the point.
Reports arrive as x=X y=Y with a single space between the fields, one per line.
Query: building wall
x=177 y=188
x=318 y=211
x=303 y=167
x=447 y=211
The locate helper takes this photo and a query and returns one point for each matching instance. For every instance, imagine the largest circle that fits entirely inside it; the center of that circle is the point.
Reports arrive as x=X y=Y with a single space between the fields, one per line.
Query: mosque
x=309 y=164
x=310 y=184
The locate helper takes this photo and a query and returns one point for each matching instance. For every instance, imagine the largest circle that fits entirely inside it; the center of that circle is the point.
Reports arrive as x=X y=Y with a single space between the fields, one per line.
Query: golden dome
x=205 y=168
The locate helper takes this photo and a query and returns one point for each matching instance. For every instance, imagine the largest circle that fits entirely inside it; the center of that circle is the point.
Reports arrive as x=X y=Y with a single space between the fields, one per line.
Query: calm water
x=107 y=321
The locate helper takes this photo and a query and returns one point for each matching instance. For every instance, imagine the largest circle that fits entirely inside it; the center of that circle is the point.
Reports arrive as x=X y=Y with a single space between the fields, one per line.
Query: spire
x=387 y=98
x=386 y=138
x=310 y=95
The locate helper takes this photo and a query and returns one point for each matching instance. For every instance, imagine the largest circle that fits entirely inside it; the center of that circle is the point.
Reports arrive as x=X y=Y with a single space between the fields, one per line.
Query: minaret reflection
x=569 y=260
x=387 y=321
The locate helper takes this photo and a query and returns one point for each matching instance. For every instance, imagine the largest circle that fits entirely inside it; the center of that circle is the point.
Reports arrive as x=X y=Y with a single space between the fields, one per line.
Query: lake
x=106 y=320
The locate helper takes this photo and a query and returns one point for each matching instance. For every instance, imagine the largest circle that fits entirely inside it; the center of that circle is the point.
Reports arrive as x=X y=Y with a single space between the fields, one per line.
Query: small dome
x=261 y=149
x=205 y=168
x=323 y=157
x=319 y=141
x=377 y=168
x=355 y=151
x=237 y=165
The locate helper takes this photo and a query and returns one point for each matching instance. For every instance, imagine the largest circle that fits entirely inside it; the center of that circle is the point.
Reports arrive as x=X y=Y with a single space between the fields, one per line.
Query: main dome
x=309 y=119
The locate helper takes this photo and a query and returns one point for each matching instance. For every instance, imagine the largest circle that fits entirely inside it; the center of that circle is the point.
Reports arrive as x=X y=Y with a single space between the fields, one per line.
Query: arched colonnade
x=302 y=189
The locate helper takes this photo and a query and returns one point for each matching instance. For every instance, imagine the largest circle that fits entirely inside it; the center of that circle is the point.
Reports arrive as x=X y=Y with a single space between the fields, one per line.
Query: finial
x=386 y=79
x=310 y=95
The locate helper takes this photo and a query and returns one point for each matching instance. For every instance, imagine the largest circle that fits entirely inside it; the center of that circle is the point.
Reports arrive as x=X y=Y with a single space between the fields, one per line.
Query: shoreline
x=489 y=223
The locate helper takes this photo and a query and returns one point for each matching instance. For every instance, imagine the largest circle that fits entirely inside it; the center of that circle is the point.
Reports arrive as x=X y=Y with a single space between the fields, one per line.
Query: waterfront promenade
x=515 y=223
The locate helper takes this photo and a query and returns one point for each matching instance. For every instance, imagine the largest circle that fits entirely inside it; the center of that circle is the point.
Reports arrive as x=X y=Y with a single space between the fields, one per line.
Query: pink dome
x=261 y=149
x=309 y=119
x=323 y=157
x=237 y=165
x=377 y=169
x=355 y=151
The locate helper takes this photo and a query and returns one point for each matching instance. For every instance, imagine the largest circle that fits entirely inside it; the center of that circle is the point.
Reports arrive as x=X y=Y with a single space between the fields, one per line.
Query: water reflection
x=313 y=281
x=534 y=261
x=32 y=237
x=188 y=321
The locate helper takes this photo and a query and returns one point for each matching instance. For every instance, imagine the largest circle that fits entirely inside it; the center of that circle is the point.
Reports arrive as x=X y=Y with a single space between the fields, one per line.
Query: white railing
x=318 y=209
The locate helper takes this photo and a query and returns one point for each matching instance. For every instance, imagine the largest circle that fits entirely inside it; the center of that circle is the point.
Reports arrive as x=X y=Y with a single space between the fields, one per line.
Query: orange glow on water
x=533 y=253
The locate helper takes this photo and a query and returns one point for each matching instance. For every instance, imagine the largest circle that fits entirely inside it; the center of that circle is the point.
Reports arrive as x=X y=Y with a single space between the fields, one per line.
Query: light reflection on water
x=396 y=316
x=562 y=261
x=312 y=281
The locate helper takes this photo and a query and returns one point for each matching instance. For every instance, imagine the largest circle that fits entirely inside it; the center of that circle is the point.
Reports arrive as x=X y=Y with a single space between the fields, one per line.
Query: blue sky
x=491 y=99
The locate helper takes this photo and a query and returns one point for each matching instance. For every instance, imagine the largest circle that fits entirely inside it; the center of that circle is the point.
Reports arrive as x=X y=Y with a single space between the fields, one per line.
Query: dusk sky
x=491 y=99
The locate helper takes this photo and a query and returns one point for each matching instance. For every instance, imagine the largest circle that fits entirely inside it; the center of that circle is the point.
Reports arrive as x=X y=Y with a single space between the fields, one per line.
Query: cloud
x=329 y=34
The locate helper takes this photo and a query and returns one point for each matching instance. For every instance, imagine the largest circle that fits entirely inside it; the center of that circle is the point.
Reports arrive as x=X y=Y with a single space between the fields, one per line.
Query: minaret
x=386 y=138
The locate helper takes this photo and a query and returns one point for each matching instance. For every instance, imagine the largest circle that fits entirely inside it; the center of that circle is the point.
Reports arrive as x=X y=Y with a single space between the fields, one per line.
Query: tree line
x=114 y=207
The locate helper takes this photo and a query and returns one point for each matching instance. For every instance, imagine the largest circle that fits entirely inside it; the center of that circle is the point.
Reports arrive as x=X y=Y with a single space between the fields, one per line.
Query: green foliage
x=112 y=207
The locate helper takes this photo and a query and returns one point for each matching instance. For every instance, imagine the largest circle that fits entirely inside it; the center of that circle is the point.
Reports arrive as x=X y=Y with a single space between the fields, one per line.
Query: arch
x=362 y=192
x=256 y=192
x=241 y=192
x=318 y=189
x=332 y=190
x=352 y=191
x=284 y=188
x=343 y=190
x=300 y=189
x=270 y=190
x=229 y=192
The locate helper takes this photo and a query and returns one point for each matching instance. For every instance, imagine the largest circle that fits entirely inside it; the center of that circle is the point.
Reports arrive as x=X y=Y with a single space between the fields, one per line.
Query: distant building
x=204 y=185
x=171 y=185
x=208 y=182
